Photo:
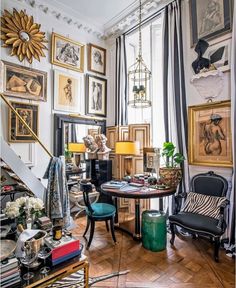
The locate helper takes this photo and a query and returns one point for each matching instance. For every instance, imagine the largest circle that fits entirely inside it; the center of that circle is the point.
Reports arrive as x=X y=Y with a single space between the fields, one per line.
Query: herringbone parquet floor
x=189 y=264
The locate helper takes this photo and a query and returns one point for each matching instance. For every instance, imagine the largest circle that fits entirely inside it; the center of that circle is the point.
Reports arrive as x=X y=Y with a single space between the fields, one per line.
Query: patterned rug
x=77 y=280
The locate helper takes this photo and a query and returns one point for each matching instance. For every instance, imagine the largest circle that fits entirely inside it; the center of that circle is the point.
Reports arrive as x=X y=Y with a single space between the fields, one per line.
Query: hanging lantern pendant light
x=139 y=75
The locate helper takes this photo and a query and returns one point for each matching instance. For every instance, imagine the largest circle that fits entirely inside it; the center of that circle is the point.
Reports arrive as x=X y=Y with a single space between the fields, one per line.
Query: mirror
x=72 y=129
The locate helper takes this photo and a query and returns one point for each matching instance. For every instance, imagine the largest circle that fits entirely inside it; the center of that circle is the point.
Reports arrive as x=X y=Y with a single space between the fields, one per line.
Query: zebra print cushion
x=204 y=204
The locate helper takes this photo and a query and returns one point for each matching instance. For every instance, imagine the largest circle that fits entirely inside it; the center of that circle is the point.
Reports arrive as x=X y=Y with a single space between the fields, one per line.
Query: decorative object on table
x=67 y=53
x=91 y=146
x=64 y=249
x=76 y=280
x=18 y=132
x=96 y=96
x=96 y=59
x=44 y=223
x=78 y=150
x=219 y=55
x=23 y=82
x=67 y=91
x=152 y=180
x=201 y=63
x=57 y=232
x=22 y=35
x=139 y=76
x=7 y=248
x=23 y=208
x=127 y=148
x=43 y=254
x=57 y=203
x=103 y=150
x=210 y=134
x=151 y=160
x=28 y=258
x=210 y=18
x=10 y=273
x=171 y=174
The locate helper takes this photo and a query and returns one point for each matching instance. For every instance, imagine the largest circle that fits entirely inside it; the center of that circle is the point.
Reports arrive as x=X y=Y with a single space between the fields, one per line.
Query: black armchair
x=209 y=184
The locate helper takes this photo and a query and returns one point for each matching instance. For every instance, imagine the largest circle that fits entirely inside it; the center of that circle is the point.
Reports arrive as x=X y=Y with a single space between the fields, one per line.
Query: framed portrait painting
x=67 y=53
x=96 y=96
x=210 y=138
x=210 y=18
x=18 y=132
x=22 y=82
x=67 y=89
x=96 y=59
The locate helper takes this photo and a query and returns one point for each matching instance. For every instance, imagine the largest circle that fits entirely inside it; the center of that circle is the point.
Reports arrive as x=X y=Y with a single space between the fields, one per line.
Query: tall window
x=152 y=55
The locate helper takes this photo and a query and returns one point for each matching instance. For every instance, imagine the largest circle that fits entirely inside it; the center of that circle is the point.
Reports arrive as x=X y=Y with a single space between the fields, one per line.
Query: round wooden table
x=141 y=193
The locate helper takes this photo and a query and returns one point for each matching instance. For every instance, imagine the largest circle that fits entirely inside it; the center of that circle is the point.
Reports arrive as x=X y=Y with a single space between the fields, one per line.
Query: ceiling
x=98 y=11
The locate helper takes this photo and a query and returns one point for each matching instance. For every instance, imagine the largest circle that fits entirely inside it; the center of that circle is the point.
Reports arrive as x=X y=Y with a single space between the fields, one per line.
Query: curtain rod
x=148 y=19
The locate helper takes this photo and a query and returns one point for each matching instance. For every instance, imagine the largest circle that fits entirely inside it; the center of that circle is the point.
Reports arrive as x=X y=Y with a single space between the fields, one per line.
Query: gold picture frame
x=18 y=132
x=96 y=59
x=23 y=82
x=67 y=53
x=210 y=138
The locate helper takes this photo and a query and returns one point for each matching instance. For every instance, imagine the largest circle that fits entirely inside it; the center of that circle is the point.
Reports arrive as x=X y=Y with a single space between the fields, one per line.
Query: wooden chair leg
x=87 y=226
x=112 y=229
x=91 y=234
x=107 y=225
x=172 y=230
x=216 y=248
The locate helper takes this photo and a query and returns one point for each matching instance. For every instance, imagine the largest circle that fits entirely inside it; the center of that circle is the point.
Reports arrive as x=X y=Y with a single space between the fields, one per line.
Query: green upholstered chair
x=97 y=212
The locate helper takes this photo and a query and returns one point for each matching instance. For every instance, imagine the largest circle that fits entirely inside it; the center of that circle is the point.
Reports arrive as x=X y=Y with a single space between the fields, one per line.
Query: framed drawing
x=220 y=55
x=210 y=139
x=210 y=18
x=96 y=59
x=96 y=96
x=67 y=89
x=67 y=53
x=18 y=132
x=23 y=82
x=151 y=160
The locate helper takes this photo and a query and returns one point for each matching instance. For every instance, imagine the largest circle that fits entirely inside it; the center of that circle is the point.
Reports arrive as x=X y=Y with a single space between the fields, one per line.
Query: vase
x=170 y=176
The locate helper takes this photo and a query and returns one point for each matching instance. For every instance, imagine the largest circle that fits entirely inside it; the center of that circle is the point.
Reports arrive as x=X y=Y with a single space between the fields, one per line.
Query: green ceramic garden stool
x=154 y=230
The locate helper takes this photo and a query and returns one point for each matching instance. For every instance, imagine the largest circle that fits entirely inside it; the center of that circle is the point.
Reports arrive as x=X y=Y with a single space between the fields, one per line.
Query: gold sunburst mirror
x=22 y=35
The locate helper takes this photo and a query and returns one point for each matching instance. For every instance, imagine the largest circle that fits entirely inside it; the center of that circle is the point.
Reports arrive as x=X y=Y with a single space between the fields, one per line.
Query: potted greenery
x=171 y=174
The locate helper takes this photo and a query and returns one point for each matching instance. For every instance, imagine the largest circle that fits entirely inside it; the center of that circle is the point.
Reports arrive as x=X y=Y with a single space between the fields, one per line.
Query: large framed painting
x=67 y=53
x=210 y=18
x=18 y=132
x=96 y=96
x=67 y=87
x=96 y=59
x=210 y=138
x=22 y=82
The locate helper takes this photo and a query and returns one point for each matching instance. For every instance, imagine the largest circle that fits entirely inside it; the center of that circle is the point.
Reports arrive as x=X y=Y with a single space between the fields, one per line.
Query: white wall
x=33 y=153
x=193 y=97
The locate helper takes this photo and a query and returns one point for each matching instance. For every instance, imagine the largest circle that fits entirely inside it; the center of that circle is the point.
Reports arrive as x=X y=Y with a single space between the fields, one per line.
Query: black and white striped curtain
x=121 y=82
x=175 y=108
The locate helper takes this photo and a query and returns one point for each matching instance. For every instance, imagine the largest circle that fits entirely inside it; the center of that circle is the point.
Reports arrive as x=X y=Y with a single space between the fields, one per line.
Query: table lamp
x=78 y=149
x=128 y=148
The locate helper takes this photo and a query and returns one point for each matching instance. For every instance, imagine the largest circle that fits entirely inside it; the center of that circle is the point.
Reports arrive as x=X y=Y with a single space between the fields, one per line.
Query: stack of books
x=64 y=249
x=114 y=184
x=10 y=273
x=44 y=223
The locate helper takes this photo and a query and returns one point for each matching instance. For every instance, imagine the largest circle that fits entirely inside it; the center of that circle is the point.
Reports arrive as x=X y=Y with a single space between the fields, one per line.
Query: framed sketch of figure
x=18 y=132
x=210 y=138
x=96 y=96
x=67 y=53
x=210 y=18
x=67 y=89
x=96 y=59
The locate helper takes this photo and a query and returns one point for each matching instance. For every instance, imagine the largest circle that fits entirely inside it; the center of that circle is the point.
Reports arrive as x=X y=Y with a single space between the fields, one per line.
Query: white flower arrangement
x=21 y=205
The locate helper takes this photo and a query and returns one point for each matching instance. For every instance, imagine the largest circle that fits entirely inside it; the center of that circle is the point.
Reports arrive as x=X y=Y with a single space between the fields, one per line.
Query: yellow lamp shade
x=76 y=147
x=127 y=148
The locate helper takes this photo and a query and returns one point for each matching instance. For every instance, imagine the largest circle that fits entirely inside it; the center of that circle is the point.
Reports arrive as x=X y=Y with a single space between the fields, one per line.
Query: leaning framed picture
x=210 y=18
x=18 y=132
x=96 y=96
x=96 y=59
x=67 y=53
x=151 y=159
x=22 y=82
x=67 y=87
x=210 y=138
